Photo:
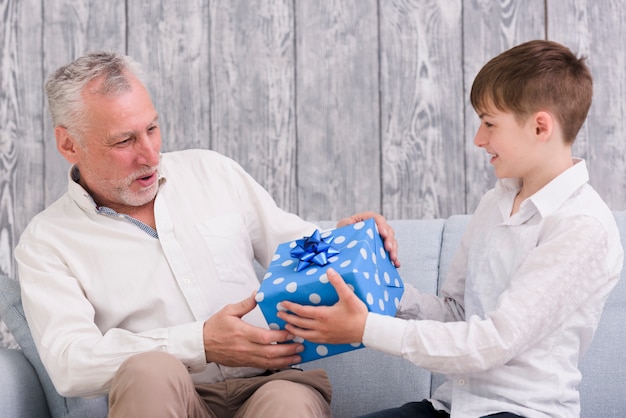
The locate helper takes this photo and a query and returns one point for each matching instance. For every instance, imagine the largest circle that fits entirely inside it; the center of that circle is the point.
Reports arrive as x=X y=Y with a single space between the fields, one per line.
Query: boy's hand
x=341 y=323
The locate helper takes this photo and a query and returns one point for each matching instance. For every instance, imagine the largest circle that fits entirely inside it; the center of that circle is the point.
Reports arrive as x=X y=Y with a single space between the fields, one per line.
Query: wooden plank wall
x=334 y=106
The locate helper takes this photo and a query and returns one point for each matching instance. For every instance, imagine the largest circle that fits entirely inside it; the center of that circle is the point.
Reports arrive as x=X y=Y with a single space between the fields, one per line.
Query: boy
x=527 y=286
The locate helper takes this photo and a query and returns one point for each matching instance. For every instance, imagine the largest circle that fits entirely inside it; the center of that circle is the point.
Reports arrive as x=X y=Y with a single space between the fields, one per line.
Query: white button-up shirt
x=519 y=305
x=99 y=287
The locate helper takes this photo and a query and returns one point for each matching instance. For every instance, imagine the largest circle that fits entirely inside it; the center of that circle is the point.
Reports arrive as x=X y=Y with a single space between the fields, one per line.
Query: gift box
x=298 y=273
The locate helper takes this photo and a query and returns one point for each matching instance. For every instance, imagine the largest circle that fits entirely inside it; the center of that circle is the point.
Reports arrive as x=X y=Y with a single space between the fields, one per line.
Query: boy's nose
x=479 y=139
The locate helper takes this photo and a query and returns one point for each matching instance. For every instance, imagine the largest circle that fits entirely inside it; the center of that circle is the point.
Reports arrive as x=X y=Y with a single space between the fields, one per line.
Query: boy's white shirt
x=519 y=305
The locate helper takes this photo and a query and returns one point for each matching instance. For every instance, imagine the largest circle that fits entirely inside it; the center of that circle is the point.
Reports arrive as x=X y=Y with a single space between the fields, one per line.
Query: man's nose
x=149 y=151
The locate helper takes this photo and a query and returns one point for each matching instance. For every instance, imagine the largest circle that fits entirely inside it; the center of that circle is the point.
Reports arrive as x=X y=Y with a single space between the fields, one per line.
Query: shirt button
x=461 y=382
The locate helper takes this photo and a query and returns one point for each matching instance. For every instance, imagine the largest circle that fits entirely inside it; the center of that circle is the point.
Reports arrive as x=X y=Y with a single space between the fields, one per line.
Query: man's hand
x=341 y=323
x=386 y=232
x=230 y=341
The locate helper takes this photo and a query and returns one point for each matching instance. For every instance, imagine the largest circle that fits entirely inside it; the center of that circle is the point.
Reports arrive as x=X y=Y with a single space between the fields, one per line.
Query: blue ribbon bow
x=313 y=250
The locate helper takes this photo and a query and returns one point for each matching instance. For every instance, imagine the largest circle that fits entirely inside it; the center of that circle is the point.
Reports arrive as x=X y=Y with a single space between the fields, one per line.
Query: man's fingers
x=384 y=229
x=362 y=216
x=242 y=307
x=264 y=336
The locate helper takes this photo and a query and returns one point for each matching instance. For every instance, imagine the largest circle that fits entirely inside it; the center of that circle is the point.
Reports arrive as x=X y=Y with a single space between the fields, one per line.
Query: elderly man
x=139 y=281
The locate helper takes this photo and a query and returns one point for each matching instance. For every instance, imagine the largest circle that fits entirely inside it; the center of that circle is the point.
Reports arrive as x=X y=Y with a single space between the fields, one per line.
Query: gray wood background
x=334 y=106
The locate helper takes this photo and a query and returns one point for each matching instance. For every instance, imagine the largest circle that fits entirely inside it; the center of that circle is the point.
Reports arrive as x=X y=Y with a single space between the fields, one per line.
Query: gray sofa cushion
x=60 y=407
x=18 y=377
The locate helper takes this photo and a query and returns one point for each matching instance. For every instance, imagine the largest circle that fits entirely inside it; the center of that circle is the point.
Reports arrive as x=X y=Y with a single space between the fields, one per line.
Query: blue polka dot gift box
x=298 y=273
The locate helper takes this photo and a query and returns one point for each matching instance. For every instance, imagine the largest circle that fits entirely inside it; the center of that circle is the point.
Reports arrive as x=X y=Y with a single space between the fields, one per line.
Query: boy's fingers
x=342 y=288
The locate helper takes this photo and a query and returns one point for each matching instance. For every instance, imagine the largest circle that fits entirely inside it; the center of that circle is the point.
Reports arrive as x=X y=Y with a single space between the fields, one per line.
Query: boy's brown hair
x=533 y=76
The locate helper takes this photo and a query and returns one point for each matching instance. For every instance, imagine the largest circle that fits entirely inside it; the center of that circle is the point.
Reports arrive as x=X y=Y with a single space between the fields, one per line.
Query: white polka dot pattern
x=362 y=262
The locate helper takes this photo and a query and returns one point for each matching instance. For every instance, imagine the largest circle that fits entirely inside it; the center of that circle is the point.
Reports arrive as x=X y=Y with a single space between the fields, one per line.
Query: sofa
x=363 y=380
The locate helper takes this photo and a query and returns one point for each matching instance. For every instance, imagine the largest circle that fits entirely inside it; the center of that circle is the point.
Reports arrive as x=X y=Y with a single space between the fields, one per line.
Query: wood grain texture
x=9 y=132
x=170 y=39
x=253 y=115
x=491 y=27
x=337 y=108
x=30 y=118
x=568 y=22
x=21 y=156
x=422 y=108
x=70 y=29
x=596 y=30
x=21 y=161
x=333 y=106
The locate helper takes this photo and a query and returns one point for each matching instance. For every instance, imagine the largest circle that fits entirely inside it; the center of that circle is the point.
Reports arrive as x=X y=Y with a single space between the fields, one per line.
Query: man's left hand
x=386 y=232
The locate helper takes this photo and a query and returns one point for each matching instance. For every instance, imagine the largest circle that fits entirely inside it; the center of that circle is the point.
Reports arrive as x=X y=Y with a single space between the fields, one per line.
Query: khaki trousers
x=156 y=384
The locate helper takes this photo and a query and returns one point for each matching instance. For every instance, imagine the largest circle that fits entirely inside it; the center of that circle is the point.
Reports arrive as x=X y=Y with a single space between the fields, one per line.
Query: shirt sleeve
x=567 y=268
x=63 y=328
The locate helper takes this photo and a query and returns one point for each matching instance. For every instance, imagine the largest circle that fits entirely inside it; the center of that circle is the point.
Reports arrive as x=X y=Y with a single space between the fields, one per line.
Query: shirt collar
x=554 y=194
x=77 y=192
x=549 y=198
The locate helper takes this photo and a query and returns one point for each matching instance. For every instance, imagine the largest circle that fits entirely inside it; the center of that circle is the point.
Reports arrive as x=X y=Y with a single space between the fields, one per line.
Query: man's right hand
x=230 y=341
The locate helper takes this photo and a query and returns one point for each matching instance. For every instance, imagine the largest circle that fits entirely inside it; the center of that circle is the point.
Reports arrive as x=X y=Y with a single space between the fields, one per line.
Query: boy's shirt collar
x=545 y=201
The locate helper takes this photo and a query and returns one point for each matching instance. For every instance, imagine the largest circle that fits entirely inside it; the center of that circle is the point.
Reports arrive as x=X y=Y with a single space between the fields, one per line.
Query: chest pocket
x=229 y=246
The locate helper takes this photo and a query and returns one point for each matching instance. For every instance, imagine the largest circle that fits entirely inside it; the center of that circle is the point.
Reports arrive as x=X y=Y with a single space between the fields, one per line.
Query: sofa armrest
x=21 y=394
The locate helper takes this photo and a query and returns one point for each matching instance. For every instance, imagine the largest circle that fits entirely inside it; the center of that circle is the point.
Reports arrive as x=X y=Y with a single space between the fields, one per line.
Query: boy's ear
x=66 y=144
x=543 y=125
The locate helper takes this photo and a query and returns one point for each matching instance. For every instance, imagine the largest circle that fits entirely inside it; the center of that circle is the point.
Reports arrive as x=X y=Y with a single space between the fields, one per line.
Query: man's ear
x=543 y=125
x=66 y=144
